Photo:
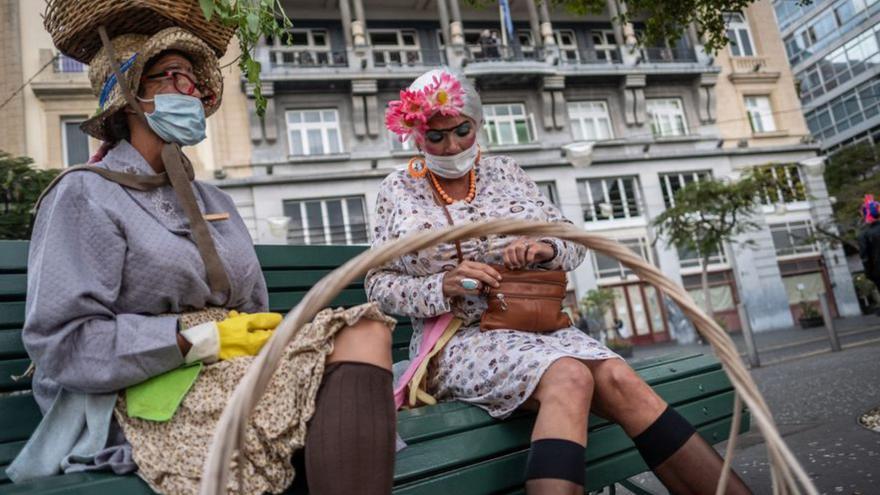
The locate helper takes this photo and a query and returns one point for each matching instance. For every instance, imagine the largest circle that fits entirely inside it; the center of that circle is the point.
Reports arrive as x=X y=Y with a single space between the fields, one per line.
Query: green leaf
x=207 y=8
x=253 y=23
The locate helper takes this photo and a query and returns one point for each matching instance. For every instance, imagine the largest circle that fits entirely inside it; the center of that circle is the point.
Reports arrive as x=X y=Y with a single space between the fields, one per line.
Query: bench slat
x=284 y=301
x=14 y=367
x=505 y=472
x=11 y=314
x=284 y=257
x=11 y=345
x=13 y=285
x=15 y=255
x=299 y=279
x=81 y=484
x=19 y=415
x=440 y=454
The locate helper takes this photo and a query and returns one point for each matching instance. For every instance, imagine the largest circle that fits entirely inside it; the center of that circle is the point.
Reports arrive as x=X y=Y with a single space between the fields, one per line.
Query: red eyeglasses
x=184 y=83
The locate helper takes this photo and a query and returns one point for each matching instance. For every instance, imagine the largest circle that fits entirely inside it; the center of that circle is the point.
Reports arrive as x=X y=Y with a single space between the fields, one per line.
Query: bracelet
x=552 y=245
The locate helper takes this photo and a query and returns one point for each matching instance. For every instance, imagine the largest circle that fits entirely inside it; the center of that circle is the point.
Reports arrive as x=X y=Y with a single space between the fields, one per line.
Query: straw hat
x=135 y=50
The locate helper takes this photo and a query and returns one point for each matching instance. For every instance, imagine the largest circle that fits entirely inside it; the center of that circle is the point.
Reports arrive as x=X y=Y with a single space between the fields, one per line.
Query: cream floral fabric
x=495 y=370
x=170 y=455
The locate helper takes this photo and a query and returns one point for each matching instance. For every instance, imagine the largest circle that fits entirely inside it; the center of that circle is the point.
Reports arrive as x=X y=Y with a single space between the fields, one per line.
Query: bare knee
x=566 y=381
x=367 y=341
x=622 y=391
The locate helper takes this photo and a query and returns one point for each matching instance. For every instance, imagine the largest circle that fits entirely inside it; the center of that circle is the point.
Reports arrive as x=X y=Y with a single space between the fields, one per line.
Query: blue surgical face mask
x=177 y=118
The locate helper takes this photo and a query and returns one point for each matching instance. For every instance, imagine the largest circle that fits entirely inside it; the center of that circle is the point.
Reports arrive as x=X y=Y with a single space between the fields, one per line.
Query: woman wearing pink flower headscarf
x=561 y=374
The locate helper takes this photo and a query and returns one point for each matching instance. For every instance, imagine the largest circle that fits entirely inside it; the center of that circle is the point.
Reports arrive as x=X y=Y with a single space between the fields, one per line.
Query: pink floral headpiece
x=409 y=115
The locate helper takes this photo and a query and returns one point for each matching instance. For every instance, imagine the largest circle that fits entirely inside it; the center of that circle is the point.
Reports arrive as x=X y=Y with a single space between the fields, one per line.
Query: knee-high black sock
x=350 y=441
x=555 y=466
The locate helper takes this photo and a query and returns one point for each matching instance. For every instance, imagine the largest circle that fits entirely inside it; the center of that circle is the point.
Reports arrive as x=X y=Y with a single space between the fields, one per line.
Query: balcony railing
x=504 y=54
x=661 y=55
x=749 y=64
x=570 y=56
x=306 y=58
x=406 y=57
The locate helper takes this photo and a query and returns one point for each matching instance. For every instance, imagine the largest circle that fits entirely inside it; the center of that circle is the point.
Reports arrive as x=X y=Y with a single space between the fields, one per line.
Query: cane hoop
x=788 y=476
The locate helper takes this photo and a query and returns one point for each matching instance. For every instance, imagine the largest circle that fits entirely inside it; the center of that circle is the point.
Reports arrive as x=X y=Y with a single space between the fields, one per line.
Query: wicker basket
x=73 y=23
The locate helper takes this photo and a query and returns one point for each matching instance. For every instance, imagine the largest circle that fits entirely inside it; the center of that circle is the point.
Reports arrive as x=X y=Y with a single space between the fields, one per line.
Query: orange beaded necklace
x=472 y=190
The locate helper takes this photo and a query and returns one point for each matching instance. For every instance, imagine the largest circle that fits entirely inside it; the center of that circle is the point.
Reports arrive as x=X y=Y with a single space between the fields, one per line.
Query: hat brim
x=206 y=68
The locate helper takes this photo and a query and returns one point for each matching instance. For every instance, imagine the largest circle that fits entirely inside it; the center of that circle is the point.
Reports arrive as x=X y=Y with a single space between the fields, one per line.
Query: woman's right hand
x=481 y=272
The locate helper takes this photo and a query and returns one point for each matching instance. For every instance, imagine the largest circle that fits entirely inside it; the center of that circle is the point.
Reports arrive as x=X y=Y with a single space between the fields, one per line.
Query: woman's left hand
x=526 y=251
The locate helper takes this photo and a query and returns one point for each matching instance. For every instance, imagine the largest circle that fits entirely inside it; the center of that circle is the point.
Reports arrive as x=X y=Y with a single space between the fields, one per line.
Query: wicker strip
x=73 y=23
x=787 y=474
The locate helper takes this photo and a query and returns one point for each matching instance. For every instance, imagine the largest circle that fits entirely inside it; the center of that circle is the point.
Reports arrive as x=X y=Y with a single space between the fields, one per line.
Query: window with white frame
x=610 y=198
x=548 y=189
x=303 y=47
x=589 y=120
x=508 y=124
x=689 y=258
x=791 y=238
x=568 y=46
x=667 y=117
x=786 y=184
x=313 y=132
x=607 y=267
x=739 y=35
x=327 y=221
x=74 y=142
x=760 y=114
x=671 y=183
x=605 y=45
x=395 y=47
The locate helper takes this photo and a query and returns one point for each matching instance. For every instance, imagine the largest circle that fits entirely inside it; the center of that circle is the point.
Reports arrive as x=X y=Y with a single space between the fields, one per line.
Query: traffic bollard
x=829 y=323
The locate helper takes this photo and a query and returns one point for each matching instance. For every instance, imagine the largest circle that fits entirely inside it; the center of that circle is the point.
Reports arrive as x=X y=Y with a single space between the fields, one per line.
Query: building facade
x=834 y=49
x=607 y=127
x=53 y=96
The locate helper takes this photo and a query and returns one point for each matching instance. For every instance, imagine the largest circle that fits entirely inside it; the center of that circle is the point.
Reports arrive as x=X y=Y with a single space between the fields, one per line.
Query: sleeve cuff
x=434 y=296
x=205 y=340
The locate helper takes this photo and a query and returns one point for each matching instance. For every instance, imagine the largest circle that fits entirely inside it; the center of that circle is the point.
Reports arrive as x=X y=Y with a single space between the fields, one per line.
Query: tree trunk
x=705 y=283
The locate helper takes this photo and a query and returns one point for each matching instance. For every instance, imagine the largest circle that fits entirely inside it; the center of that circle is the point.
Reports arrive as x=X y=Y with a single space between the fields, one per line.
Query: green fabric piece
x=158 y=398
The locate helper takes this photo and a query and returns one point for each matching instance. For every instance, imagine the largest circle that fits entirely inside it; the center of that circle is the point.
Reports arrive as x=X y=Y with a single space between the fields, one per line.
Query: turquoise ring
x=469 y=284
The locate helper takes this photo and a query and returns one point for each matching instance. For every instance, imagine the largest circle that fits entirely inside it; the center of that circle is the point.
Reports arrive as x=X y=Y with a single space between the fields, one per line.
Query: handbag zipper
x=502 y=298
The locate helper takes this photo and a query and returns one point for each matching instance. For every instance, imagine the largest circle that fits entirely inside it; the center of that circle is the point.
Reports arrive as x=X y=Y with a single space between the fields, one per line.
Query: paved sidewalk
x=779 y=346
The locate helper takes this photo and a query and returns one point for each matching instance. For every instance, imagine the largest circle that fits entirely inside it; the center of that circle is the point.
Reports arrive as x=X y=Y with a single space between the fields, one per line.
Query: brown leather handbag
x=526 y=300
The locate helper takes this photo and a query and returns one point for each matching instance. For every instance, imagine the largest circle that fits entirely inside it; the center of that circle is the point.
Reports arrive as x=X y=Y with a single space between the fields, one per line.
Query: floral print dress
x=496 y=370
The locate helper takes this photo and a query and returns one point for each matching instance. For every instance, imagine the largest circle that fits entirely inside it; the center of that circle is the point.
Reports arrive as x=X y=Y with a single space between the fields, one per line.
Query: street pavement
x=816 y=397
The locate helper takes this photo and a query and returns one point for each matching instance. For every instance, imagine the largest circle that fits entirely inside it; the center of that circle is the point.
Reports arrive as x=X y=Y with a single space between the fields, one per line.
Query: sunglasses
x=438 y=135
x=184 y=83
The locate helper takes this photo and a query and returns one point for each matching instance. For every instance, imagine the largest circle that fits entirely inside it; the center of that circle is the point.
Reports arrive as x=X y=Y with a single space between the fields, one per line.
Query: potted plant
x=867 y=294
x=810 y=316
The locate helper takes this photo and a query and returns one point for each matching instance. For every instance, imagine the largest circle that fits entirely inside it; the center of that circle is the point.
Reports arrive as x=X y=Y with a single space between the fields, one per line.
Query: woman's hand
x=526 y=251
x=481 y=272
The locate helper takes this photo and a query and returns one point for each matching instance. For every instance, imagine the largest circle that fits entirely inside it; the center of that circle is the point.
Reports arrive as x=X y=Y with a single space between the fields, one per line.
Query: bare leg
x=563 y=398
x=623 y=397
x=350 y=441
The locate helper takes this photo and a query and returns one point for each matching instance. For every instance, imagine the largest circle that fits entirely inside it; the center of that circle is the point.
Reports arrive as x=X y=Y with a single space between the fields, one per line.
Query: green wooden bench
x=453 y=447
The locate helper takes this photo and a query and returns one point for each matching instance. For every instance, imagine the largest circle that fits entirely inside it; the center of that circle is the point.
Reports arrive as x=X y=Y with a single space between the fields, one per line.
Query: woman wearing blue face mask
x=137 y=273
x=562 y=374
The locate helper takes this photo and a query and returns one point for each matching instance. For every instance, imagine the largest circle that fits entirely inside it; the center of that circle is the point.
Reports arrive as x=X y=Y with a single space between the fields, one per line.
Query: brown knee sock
x=350 y=441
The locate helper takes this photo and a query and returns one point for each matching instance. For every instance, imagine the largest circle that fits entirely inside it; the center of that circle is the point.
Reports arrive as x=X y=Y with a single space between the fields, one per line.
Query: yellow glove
x=240 y=334
x=243 y=334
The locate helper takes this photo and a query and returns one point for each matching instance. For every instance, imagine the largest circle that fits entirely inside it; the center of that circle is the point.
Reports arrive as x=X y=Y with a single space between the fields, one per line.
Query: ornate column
x=345 y=18
x=456 y=28
x=553 y=102
x=546 y=25
x=365 y=107
x=534 y=23
x=265 y=128
x=704 y=86
x=359 y=25
x=624 y=33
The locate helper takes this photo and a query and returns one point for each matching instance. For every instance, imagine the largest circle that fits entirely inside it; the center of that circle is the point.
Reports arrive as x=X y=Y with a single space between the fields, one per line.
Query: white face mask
x=453 y=166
